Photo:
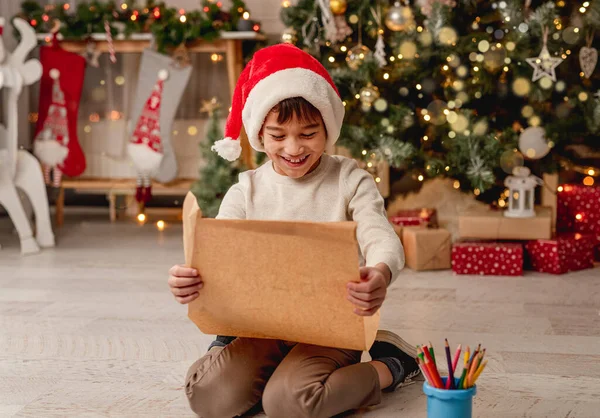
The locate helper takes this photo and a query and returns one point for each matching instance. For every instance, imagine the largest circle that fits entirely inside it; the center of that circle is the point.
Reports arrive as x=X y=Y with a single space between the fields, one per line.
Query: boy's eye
x=309 y=135
x=277 y=136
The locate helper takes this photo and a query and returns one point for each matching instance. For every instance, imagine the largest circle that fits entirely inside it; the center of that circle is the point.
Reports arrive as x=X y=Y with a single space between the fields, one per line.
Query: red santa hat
x=274 y=74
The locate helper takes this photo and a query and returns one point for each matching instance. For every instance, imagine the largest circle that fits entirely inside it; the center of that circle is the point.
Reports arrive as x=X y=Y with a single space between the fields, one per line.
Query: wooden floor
x=90 y=329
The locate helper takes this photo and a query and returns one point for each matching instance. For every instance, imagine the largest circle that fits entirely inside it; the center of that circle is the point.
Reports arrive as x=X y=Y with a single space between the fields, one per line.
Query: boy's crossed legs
x=296 y=380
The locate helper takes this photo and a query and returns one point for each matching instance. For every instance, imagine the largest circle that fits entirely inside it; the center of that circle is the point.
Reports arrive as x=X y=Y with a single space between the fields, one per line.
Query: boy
x=291 y=110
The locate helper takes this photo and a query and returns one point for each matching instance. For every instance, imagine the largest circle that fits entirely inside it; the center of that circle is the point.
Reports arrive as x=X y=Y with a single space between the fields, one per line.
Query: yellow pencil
x=467 y=355
x=478 y=372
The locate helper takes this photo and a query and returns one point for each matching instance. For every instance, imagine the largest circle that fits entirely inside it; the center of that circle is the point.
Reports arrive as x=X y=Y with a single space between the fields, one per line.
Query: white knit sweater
x=337 y=190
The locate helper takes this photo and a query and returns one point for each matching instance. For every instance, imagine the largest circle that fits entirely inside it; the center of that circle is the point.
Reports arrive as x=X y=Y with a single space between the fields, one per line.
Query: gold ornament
x=408 y=49
x=356 y=56
x=447 y=36
x=435 y=111
x=289 y=36
x=521 y=86
x=493 y=60
x=399 y=18
x=338 y=7
x=368 y=95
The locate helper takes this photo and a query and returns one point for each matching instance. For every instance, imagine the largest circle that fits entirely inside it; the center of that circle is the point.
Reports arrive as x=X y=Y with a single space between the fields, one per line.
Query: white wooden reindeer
x=18 y=168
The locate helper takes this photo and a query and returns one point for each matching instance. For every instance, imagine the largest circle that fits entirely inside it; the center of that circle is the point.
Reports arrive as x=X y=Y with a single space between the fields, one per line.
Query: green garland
x=168 y=25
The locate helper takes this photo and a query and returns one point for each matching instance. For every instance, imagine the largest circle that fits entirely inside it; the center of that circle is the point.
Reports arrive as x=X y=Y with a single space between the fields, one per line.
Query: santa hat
x=274 y=74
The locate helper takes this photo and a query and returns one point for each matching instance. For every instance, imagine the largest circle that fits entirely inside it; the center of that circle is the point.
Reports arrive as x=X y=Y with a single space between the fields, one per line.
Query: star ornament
x=209 y=106
x=544 y=65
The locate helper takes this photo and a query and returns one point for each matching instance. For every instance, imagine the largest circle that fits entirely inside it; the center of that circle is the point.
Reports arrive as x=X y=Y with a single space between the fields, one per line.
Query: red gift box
x=487 y=258
x=566 y=252
x=415 y=217
x=578 y=210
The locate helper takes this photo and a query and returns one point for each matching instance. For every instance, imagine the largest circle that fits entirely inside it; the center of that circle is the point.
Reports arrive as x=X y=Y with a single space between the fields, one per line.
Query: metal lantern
x=521 y=186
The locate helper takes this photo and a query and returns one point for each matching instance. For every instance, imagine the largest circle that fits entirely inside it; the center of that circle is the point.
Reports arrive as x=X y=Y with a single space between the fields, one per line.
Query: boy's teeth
x=298 y=160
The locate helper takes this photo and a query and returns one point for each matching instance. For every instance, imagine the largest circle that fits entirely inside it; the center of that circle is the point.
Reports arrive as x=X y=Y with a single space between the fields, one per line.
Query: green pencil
x=432 y=353
x=462 y=379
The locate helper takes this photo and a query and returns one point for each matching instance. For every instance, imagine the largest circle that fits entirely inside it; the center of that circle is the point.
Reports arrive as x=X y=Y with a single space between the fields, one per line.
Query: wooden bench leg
x=60 y=207
x=112 y=206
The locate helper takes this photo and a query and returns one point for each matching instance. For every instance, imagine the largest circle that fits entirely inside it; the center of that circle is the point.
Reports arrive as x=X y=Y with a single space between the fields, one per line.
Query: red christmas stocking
x=56 y=144
x=145 y=146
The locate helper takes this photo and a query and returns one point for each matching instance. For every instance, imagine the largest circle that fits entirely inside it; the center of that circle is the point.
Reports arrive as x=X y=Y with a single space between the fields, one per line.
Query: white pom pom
x=228 y=148
x=54 y=73
x=163 y=74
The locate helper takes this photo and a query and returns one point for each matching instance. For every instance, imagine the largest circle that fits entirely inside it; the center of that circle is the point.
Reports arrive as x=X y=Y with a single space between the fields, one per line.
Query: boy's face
x=294 y=147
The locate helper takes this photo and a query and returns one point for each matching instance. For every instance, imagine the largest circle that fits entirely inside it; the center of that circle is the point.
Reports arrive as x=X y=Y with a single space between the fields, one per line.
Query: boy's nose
x=294 y=148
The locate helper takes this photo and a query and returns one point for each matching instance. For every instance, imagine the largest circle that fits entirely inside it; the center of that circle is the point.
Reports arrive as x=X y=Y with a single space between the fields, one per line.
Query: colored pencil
x=426 y=365
x=462 y=379
x=481 y=357
x=420 y=353
x=478 y=372
x=437 y=380
x=472 y=369
x=456 y=357
x=425 y=372
x=432 y=353
x=476 y=351
x=473 y=366
x=450 y=383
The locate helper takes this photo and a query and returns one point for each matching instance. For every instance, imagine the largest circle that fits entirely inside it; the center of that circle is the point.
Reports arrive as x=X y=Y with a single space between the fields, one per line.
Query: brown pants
x=293 y=380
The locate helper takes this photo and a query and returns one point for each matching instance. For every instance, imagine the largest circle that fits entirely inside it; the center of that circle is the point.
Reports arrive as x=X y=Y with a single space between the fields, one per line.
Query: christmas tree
x=217 y=175
x=466 y=89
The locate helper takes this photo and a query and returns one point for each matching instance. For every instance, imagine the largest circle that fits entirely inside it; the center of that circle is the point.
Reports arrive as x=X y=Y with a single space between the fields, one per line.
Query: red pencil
x=437 y=381
x=456 y=357
x=425 y=372
x=433 y=369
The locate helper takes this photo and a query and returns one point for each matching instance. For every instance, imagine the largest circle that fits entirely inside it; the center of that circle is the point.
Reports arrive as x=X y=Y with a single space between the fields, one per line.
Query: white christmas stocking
x=150 y=145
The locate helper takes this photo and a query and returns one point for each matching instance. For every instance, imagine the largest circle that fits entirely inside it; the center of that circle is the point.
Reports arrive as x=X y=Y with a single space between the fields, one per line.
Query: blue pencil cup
x=443 y=403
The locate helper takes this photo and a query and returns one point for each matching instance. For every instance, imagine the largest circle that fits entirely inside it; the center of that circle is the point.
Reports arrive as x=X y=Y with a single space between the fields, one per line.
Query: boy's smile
x=294 y=147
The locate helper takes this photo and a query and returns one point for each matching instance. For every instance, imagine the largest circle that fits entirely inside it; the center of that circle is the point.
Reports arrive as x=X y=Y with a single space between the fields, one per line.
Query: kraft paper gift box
x=427 y=249
x=276 y=280
x=493 y=225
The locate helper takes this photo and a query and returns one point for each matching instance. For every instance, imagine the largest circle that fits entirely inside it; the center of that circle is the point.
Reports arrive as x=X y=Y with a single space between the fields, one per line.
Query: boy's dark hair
x=304 y=111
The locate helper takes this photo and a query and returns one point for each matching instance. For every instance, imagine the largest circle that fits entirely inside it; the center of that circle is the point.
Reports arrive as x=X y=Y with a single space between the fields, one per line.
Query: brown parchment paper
x=274 y=279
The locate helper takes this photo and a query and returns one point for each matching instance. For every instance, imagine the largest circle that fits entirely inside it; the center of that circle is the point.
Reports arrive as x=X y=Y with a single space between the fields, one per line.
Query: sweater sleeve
x=376 y=237
x=233 y=205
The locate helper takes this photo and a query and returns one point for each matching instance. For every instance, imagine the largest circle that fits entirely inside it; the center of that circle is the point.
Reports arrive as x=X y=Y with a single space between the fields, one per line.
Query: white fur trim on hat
x=228 y=148
x=285 y=84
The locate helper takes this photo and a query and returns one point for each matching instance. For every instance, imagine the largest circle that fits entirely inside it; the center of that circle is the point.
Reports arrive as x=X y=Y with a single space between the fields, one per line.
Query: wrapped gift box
x=566 y=252
x=487 y=258
x=426 y=248
x=415 y=217
x=493 y=225
x=579 y=211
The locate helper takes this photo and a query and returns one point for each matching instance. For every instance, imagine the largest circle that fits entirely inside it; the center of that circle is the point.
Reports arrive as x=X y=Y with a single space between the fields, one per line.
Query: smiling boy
x=292 y=111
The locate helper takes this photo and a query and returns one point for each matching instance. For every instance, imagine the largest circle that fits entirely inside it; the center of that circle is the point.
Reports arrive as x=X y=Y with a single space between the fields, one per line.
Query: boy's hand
x=184 y=282
x=369 y=294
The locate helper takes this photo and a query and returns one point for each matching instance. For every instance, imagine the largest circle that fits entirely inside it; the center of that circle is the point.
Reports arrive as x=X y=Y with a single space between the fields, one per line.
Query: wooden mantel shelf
x=137 y=42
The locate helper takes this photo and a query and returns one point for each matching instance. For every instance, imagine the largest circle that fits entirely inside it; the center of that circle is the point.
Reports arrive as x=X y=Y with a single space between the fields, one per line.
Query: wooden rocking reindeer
x=18 y=168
